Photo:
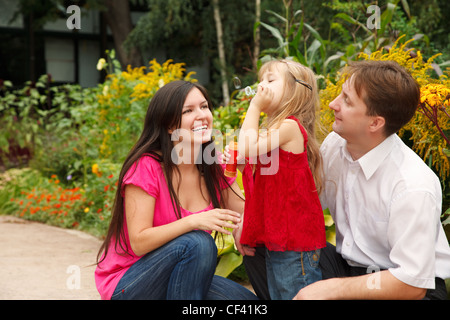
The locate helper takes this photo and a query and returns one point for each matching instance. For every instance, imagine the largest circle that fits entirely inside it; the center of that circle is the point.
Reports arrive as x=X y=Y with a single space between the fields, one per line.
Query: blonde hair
x=299 y=101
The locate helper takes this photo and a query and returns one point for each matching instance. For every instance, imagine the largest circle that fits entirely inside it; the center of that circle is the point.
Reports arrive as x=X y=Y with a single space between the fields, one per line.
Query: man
x=385 y=201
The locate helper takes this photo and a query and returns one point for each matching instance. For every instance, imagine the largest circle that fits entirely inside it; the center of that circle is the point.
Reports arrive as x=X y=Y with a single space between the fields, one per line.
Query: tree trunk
x=222 y=60
x=118 y=19
x=257 y=39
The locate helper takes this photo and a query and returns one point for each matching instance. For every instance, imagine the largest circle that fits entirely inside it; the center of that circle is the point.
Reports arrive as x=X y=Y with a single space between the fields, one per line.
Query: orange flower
x=96 y=170
x=34 y=210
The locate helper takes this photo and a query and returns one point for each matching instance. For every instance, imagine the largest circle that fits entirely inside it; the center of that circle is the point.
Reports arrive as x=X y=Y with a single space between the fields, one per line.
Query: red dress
x=282 y=207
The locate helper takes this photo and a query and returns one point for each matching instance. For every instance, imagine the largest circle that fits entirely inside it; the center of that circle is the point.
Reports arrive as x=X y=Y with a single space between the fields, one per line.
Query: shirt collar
x=371 y=160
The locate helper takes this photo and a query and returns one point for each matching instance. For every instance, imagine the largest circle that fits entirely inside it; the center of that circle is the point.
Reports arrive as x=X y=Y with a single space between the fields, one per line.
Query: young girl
x=282 y=208
x=156 y=246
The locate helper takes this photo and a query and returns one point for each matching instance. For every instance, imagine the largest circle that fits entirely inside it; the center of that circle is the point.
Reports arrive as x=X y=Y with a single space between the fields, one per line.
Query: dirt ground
x=41 y=262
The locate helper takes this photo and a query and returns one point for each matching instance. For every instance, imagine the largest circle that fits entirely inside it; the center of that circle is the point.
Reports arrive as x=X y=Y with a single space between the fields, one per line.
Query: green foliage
x=230 y=258
x=27 y=113
x=292 y=43
x=229 y=118
x=166 y=19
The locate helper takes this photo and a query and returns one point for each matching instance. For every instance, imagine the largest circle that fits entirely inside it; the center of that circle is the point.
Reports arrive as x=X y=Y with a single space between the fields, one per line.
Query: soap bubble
x=249 y=91
x=237 y=82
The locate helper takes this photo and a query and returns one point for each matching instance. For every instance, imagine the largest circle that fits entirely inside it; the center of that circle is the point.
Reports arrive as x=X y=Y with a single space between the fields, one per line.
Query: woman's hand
x=214 y=220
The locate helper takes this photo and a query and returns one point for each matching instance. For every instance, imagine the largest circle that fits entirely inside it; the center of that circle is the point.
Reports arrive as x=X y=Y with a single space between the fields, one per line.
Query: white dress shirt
x=386 y=207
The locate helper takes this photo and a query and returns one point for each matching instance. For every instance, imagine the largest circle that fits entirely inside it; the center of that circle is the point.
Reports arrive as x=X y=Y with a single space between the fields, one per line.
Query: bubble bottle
x=231 y=165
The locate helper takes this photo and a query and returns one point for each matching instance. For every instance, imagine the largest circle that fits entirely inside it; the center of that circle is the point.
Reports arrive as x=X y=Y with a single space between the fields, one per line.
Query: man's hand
x=320 y=290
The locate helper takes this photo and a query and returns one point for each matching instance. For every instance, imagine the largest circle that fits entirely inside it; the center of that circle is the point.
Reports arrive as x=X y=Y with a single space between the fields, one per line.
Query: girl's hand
x=263 y=98
x=243 y=249
x=225 y=157
x=216 y=219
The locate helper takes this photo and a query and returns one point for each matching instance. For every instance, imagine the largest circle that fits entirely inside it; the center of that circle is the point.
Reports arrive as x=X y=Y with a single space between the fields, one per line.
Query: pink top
x=147 y=174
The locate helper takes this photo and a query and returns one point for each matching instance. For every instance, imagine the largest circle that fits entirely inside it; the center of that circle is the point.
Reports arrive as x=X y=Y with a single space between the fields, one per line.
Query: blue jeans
x=182 y=269
x=290 y=271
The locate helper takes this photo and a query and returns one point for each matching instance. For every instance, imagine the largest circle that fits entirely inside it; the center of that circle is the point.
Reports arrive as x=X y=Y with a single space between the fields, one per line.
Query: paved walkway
x=42 y=262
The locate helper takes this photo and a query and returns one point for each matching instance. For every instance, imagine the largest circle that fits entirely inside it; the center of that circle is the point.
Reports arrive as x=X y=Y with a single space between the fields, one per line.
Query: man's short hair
x=387 y=89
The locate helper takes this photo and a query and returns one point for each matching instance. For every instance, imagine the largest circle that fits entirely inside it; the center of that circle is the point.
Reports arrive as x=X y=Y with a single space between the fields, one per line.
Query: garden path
x=42 y=262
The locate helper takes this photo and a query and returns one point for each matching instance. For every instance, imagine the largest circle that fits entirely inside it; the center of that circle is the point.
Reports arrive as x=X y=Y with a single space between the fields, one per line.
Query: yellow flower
x=434 y=94
x=95 y=170
x=86 y=210
x=101 y=64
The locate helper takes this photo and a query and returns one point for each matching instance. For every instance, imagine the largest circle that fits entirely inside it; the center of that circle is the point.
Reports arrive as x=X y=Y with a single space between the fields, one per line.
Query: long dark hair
x=164 y=112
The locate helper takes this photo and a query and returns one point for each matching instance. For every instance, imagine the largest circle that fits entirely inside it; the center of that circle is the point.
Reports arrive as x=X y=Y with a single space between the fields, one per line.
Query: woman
x=168 y=196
